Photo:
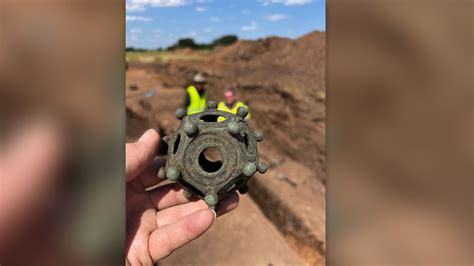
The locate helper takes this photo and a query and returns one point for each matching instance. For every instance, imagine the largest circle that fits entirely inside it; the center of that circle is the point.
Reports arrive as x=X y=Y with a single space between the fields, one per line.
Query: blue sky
x=160 y=23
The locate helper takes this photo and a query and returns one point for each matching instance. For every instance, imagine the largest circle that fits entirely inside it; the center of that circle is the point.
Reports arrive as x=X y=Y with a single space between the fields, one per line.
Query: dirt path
x=242 y=237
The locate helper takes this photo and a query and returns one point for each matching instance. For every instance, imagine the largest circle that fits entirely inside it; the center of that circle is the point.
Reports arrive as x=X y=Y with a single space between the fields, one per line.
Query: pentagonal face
x=202 y=171
x=187 y=152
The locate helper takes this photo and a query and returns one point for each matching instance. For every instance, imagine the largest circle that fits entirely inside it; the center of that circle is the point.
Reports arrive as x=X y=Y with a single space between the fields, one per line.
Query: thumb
x=138 y=155
x=29 y=166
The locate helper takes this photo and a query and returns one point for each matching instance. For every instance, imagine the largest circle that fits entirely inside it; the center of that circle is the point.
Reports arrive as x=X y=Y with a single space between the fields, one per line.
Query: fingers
x=228 y=204
x=149 y=176
x=138 y=230
x=167 y=196
x=166 y=239
x=173 y=214
x=138 y=155
x=172 y=194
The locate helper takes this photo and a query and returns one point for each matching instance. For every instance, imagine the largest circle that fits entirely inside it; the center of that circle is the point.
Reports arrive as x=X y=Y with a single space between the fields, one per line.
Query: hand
x=30 y=162
x=161 y=220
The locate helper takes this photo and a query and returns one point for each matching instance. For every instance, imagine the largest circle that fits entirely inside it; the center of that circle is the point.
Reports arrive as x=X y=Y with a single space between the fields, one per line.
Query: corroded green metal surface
x=213 y=180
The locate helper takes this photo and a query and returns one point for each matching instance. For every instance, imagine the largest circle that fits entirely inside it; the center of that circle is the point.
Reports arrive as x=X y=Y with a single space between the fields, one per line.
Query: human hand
x=161 y=220
x=31 y=159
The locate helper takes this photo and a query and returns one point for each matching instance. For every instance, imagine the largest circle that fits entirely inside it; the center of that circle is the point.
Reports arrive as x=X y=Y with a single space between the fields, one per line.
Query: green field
x=162 y=56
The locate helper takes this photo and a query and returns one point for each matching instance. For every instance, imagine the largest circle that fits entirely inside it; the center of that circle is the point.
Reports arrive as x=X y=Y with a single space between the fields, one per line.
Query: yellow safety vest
x=223 y=107
x=197 y=103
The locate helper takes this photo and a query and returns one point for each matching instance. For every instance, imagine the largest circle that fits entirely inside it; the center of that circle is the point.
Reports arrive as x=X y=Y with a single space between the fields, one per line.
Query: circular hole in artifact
x=210 y=160
x=176 y=144
x=211 y=118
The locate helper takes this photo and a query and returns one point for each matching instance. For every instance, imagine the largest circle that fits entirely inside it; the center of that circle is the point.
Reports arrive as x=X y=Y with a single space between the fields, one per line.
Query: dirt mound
x=298 y=65
x=245 y=51
x=283 y=81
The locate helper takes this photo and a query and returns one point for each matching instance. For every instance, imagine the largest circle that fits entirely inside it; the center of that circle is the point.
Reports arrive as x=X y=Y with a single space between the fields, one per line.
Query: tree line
x=190 y=43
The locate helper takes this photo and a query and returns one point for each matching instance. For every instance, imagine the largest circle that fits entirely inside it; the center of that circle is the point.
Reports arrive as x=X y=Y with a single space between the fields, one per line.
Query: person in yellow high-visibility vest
x=231 y=105
x=195 y=101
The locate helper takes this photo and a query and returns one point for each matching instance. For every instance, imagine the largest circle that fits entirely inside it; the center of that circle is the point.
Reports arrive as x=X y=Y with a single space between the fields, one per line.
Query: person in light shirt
x=231 y=104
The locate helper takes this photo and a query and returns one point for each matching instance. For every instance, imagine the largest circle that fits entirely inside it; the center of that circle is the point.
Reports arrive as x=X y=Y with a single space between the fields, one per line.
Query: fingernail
x=215 y=214
x=147 y=135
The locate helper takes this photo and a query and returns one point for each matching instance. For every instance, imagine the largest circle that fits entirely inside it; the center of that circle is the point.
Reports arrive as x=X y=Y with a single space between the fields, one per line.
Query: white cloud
x=215 y=19
x=276 y=17
x=201 y=9
x=138 y=18
x=136 y=31
x=285 y=2
x=207 y=30
x=131 y=38
x=253 y=26
x=142 y=5
x=134 y=7
x=134 y=35
x=190 y=34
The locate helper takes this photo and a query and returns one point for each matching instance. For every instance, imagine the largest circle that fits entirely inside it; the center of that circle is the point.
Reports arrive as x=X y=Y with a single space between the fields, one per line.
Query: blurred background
x=62 y=132
x=272 y=54
x=400 y=132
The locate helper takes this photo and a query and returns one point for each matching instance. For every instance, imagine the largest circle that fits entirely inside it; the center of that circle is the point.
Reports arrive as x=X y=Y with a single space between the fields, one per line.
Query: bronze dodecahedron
x=225 y=134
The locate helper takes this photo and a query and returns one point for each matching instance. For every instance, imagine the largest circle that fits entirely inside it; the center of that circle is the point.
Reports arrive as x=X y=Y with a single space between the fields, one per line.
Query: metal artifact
x=188 y=162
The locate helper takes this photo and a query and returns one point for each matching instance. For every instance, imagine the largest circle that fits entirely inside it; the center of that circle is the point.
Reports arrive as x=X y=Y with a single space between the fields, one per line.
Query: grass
x=162 y=56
